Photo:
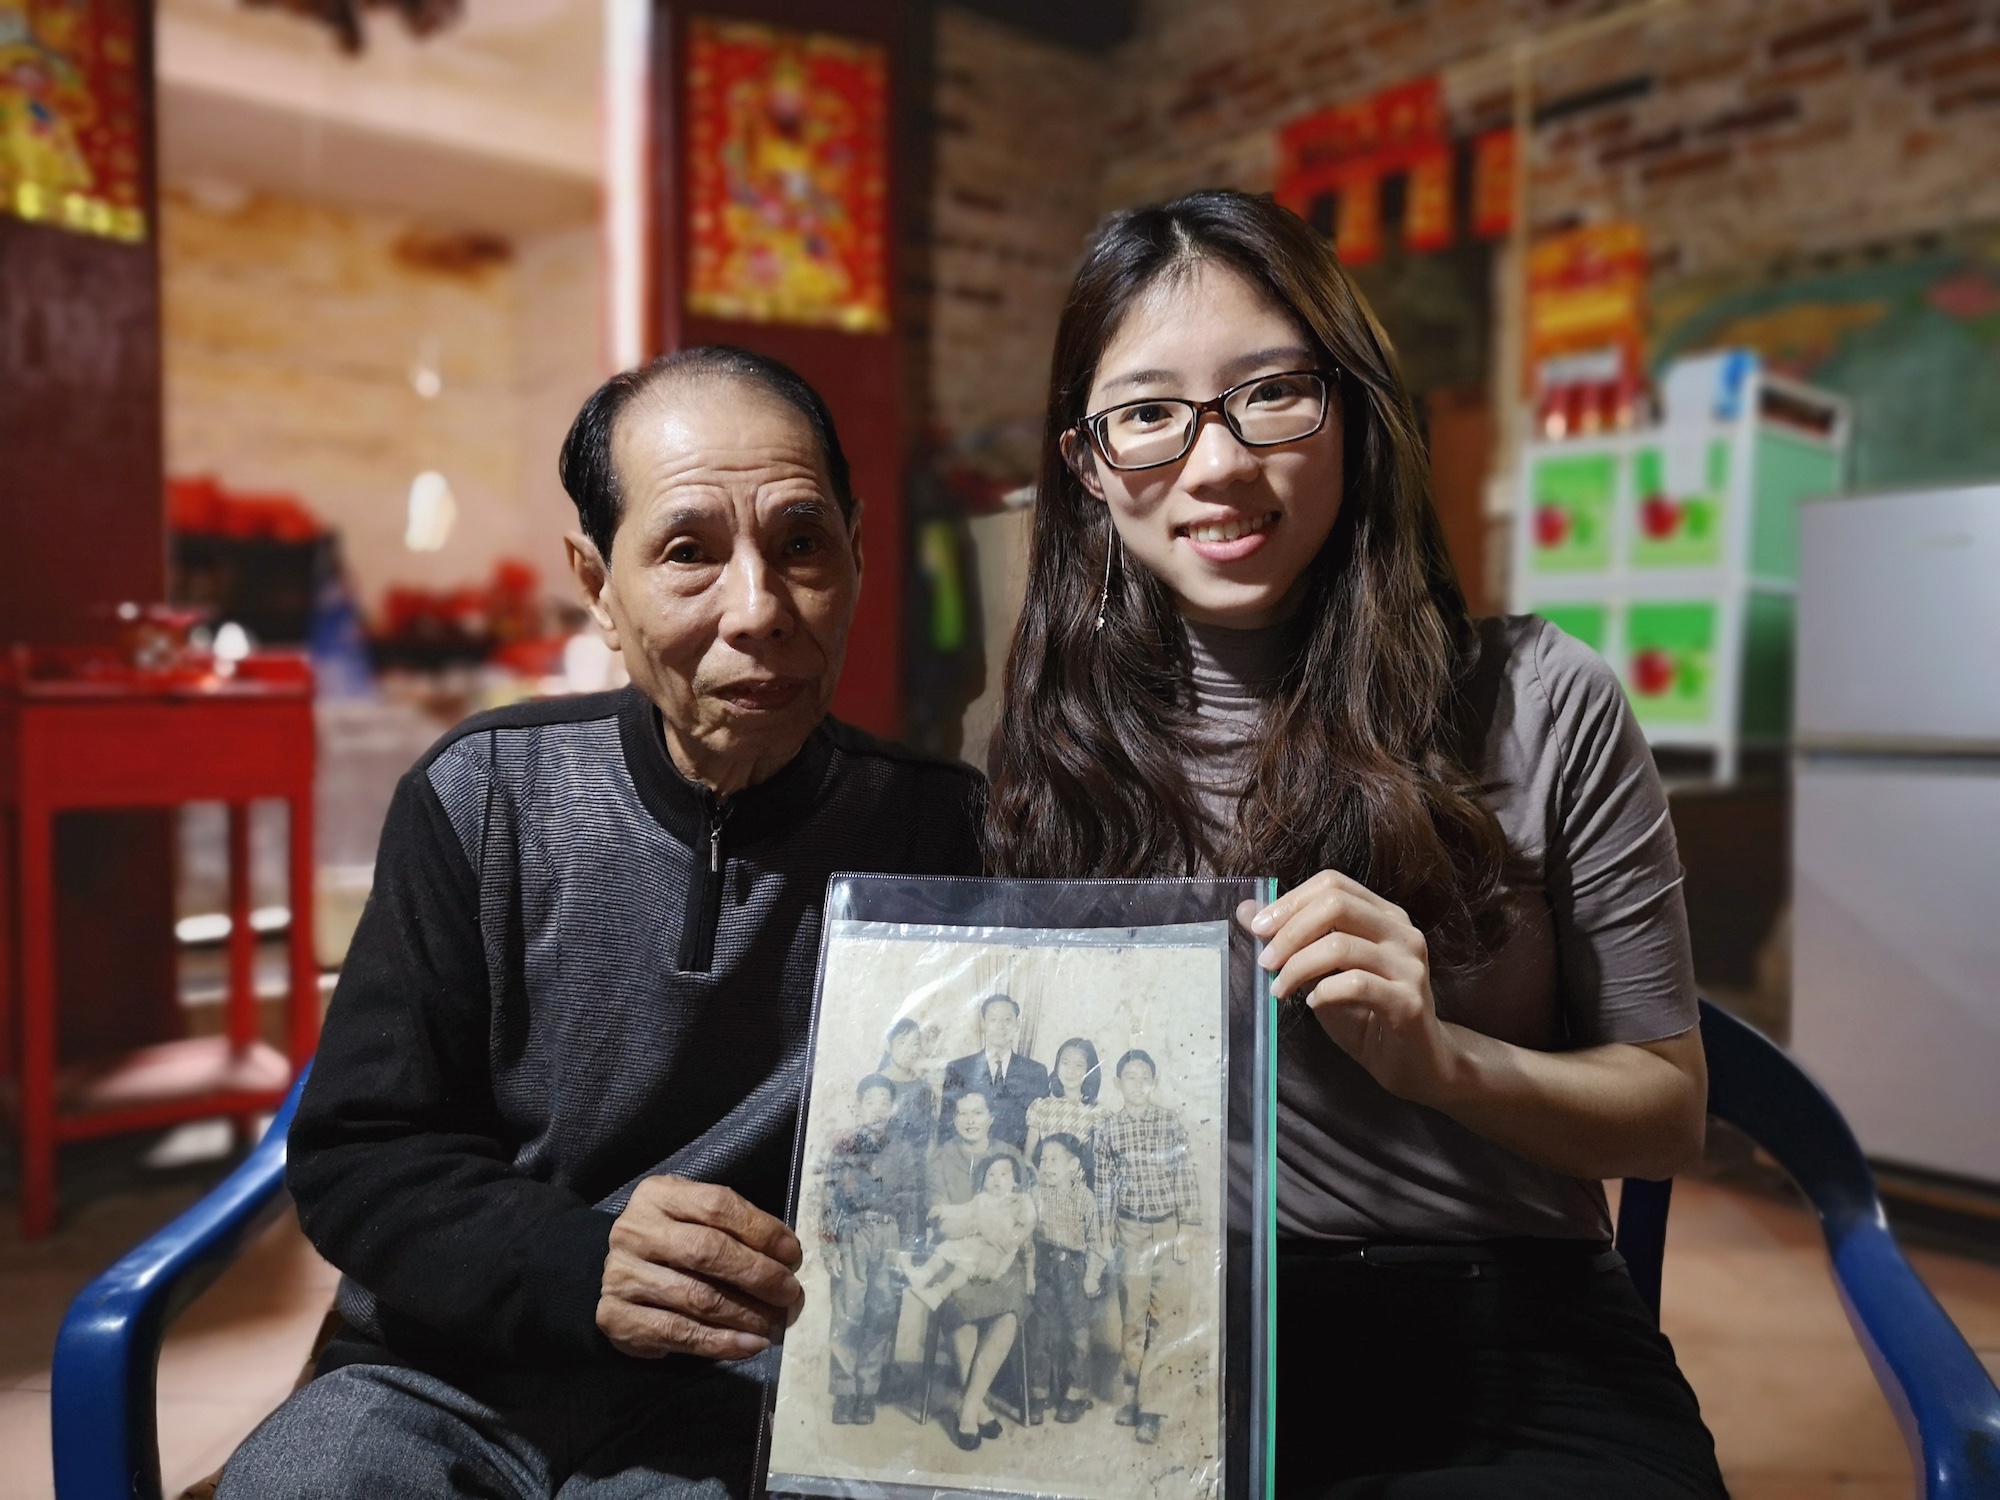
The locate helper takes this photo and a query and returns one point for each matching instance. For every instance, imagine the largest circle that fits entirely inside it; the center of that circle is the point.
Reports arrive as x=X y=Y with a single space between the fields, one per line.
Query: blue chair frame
x=104 y=1401
x=1943 y=1398
x=103 y=1404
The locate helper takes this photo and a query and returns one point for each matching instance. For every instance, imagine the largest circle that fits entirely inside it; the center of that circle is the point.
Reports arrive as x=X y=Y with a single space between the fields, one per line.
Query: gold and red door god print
x=70 y=116
x=787 y=172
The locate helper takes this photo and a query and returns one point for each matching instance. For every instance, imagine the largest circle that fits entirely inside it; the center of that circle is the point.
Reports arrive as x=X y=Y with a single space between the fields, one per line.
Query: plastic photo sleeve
x=1034 y=1189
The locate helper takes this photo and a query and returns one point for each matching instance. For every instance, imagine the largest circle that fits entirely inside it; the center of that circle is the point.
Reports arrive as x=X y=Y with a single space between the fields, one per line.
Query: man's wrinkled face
x=973 y=1120
x=733 y=576
x=1002 y=1025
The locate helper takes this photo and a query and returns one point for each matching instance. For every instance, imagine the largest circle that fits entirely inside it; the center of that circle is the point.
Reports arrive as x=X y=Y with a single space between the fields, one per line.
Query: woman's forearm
x=1623 y=1110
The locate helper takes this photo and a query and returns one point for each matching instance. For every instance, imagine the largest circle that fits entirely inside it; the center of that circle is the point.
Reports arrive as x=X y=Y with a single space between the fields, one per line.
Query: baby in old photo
x=983 y=1237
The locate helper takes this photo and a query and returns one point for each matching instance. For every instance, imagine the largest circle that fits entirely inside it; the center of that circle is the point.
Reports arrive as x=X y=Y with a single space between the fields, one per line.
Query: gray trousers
x=865 y=1301
x=683 y=1430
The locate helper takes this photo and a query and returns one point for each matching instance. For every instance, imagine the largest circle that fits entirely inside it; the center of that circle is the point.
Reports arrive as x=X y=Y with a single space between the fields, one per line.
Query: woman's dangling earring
x=1104 y=598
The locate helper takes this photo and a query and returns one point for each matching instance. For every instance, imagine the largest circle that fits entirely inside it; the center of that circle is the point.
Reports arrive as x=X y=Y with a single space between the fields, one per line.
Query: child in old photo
x=916 y=1117
x=983 y=1237
x=1146 y=1192
x=874 y=1206
x=1070 y=1256
x=1071 y=1105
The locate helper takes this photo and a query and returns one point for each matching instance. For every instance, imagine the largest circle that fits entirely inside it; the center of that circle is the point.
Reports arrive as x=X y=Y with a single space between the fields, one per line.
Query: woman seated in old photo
x=981 y=1318
x=1243 y=651
x=982 y=1239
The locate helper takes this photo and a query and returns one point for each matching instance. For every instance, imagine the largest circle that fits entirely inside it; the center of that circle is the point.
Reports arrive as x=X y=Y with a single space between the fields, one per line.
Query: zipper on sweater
x=704 y=895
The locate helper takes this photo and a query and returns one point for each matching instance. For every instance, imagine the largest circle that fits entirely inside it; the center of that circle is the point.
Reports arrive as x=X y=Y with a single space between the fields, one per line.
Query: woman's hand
x=1621 y=1109
x=1365 y=971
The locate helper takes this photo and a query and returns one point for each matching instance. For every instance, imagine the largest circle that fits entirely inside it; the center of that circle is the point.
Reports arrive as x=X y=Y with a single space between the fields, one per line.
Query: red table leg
x=38 y=1021
x=241 y=1014
x=242 y=998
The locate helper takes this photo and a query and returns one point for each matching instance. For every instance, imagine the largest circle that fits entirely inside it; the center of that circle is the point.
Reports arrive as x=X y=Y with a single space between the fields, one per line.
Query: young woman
x=1243 y=650
x=1070 y=1106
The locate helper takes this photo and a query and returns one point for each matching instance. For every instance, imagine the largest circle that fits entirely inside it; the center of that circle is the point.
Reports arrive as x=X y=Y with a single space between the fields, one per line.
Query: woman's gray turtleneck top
x=1599 y=949
x=1234 y=672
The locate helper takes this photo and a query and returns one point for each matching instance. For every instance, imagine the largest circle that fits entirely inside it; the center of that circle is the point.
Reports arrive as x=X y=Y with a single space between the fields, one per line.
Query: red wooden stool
x=81 y=729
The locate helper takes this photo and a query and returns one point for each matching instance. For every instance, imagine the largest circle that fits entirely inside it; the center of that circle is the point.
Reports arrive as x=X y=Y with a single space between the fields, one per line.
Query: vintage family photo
x=1011 y=1200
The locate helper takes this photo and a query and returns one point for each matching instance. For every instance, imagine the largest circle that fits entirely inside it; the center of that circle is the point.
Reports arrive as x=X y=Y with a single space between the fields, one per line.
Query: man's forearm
x=460 y=1244
x=398 y=1159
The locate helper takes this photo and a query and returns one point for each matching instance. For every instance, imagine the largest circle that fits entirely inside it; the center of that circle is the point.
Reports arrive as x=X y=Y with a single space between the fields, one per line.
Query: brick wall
x=291 y=330
x=1756 y=128
x=1748 y=131
x=1018 y=167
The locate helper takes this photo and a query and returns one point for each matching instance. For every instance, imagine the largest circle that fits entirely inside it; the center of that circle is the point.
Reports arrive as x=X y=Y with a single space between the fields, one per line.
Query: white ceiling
x=492 y=124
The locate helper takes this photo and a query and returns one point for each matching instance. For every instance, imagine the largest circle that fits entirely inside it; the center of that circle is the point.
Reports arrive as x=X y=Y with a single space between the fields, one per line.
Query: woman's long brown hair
x=1361 y=766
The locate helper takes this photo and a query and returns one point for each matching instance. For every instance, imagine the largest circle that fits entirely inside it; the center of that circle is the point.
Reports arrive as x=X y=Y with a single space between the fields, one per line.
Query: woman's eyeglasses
x=1264 y=412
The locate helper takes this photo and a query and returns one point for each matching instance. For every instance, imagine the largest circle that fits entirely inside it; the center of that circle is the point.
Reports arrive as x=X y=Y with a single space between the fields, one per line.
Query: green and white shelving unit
x=1673 y=550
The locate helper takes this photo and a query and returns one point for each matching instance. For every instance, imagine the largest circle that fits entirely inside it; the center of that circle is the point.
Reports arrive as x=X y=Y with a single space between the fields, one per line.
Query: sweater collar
x=685 y=809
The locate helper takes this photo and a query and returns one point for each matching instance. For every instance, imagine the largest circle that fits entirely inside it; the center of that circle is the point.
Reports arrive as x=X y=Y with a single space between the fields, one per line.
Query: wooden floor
x=1748 y=1304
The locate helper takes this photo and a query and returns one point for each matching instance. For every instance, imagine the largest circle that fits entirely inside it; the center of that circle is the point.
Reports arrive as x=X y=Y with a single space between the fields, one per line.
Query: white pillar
x=627 y=207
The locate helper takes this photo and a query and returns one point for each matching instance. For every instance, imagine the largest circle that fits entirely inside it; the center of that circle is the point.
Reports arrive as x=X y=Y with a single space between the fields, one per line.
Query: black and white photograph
x=1011 y=1203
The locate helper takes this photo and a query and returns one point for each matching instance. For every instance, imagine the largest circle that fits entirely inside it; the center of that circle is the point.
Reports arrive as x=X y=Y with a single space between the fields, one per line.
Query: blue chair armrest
x=103 y=1407
x=1947 y=1404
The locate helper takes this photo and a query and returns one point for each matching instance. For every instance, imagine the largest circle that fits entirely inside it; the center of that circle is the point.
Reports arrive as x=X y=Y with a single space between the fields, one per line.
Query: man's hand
x=696 y=1269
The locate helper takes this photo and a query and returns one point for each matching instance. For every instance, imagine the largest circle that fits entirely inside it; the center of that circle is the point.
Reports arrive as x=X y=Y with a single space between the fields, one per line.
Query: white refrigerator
x=1896 y=829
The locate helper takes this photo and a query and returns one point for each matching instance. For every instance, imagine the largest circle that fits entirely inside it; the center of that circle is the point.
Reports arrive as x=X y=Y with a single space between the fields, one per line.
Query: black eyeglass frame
x=1091 y=427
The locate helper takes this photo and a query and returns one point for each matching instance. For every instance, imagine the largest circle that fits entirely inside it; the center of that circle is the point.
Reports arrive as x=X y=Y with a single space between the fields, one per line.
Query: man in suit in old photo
x=1009 y=1080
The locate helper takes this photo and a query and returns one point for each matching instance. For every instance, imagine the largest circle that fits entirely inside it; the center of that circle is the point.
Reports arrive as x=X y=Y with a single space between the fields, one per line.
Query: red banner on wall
x=1587 y=292
x=1493 y=165
x=1345 y=153
x=1427 y=203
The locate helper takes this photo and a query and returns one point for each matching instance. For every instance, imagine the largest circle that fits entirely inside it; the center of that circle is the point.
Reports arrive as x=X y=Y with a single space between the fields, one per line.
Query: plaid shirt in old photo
x=1143 y=1169
x=1069 y=1217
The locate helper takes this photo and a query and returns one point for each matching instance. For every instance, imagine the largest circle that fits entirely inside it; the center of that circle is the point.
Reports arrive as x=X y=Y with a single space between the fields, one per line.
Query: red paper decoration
x=1493 y=167
x=1346 y=152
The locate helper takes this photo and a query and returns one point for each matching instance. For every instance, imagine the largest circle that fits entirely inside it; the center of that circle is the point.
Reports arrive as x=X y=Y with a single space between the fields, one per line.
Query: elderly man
x=549 y=1133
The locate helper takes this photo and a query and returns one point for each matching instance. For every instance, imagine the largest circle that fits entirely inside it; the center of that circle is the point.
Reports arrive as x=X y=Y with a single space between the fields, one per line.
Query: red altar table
x=82 y=729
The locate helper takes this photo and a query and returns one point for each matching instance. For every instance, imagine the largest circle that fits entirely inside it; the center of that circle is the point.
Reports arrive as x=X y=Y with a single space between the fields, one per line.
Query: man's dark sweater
x=578 y=969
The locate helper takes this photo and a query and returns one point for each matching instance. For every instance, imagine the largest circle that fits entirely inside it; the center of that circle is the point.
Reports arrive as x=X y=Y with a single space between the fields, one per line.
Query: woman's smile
x=1229 y=539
